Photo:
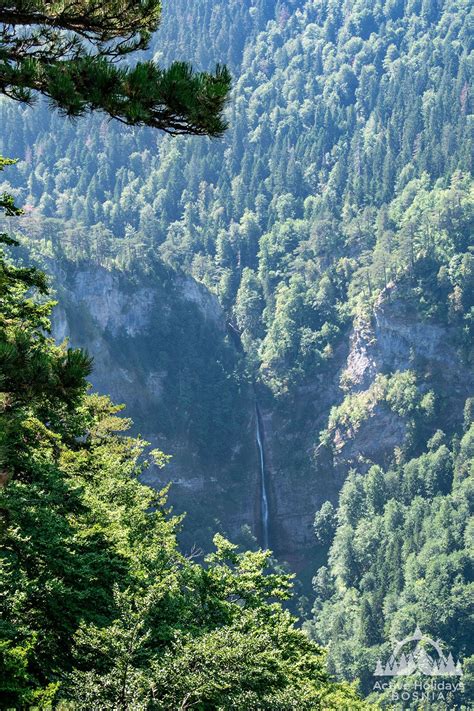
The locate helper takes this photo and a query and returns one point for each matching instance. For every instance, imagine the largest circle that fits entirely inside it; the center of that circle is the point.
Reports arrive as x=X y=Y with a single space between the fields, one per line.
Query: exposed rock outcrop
x=304 y=472
x=115 y=320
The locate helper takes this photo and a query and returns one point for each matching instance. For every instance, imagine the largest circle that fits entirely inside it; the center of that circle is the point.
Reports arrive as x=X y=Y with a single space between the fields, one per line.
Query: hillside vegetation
x=338 y=205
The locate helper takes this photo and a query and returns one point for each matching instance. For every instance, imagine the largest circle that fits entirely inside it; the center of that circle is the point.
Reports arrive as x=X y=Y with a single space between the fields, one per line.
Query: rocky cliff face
x=397 y=338
x=305 y=472
x=137 y=333
x=116 y=319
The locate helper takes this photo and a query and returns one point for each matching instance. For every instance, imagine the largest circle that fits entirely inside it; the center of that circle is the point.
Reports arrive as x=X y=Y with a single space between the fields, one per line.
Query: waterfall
x=263 y=481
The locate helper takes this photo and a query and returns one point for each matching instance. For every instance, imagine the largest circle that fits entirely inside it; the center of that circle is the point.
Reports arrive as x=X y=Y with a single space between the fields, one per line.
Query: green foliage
x=345 y=172
x=7 y=204
x=79 y=73
x=400 y=558
x=325 y=523
x=344 y=182
x=99 y=609
x=399 y=392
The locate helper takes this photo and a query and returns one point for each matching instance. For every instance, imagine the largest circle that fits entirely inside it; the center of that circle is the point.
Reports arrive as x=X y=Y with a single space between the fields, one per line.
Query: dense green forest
x=401 y=556
x=335 y=112
x=99 y=607
x=340 y=194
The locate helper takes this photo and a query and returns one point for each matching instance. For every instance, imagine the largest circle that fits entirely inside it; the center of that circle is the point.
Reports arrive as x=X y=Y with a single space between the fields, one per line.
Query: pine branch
x=68 y=51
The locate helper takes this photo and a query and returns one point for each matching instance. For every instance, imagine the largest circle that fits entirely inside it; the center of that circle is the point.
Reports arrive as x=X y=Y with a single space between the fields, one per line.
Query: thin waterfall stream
x=264 y=511
x=235 y=335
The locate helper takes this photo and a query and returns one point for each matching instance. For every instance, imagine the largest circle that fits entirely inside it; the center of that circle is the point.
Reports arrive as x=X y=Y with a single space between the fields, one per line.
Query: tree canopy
x=336 y=213
x=99 y=608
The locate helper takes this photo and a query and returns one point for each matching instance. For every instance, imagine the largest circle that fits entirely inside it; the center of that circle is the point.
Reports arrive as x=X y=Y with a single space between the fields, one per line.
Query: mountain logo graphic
x=425 y=658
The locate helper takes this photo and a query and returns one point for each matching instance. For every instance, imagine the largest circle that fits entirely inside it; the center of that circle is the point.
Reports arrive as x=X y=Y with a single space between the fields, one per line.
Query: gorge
x=266 y=232
x=266 y=450
x=287 y=311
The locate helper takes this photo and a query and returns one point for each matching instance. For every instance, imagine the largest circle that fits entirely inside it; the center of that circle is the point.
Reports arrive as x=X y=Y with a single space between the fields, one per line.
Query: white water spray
x=263 y=482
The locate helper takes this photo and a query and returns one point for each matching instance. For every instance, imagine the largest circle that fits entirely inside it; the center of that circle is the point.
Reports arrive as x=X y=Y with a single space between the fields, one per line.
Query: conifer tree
x=70 y=52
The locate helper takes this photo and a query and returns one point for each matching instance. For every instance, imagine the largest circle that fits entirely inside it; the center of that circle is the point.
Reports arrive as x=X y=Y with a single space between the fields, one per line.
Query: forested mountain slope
x=401 y=558
x=99 y=607
x=333 y=222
